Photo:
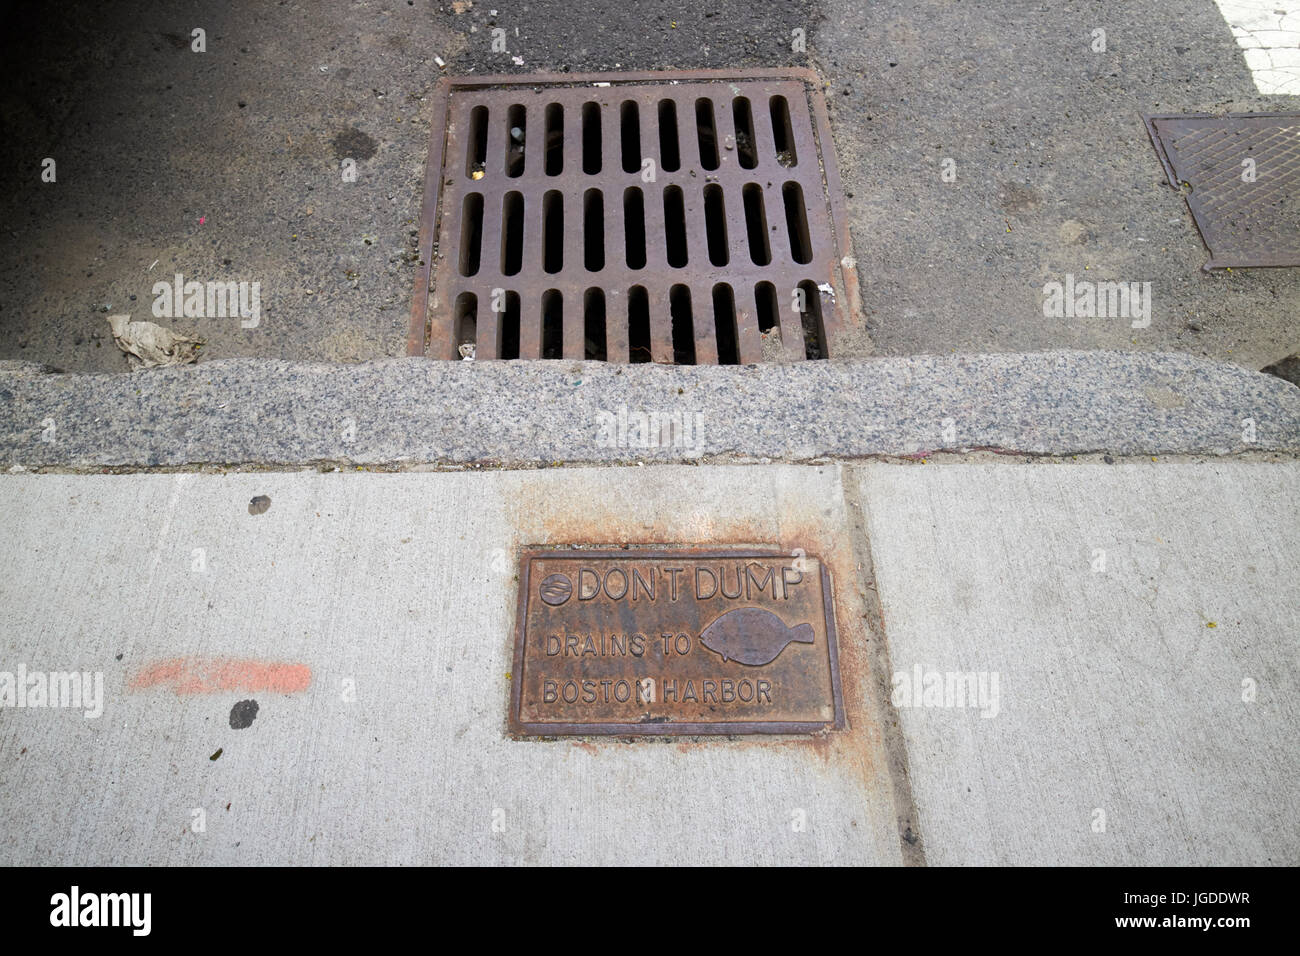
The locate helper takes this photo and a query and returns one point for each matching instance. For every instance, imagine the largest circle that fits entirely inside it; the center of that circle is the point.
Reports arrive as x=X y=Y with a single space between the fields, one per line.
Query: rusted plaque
x=680 y=641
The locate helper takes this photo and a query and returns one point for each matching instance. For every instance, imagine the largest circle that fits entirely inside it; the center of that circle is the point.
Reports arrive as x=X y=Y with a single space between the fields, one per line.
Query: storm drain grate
x=687 y=218
x=1243 y=174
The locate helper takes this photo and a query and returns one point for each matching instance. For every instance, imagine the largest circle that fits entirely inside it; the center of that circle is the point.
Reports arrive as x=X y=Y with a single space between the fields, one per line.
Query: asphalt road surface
x=226 y=164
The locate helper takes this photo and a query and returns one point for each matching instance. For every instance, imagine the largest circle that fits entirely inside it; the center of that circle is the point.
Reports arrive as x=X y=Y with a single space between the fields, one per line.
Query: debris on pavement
x=152 y=346
x=771 y=345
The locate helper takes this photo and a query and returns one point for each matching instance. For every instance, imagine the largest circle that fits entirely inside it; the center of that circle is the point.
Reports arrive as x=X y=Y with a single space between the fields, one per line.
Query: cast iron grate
x=1243 y=171
x=688 y=218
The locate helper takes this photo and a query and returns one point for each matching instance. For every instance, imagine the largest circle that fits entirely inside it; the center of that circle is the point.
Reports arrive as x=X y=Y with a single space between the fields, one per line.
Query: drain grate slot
x=708 y=133
x=476 y=142
x=466 y=320
x=743 y=119
x=631 y=119
x=591 y=138
x=641 y=218
x=675 y=245
x=634 y=227
x=553 y=231
x=554 y=139
x=517 y=127
x=509 y=332
x=593 y=230
x=760 y=251
x=670 y=157
x=552 y=324
x=512 y=233
x=783 y=132
x=724 y=319
x=796 y=222
x=715 y=225
x=594 y=322
x=471 y=234
x=679 y=302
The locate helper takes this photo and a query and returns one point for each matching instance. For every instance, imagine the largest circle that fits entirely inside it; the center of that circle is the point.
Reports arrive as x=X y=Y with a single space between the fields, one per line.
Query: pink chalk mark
x=212 y=675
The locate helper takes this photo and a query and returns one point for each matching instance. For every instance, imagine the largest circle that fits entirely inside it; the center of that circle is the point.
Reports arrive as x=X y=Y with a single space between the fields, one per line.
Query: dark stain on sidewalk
x=353 y=144
x=243 y=714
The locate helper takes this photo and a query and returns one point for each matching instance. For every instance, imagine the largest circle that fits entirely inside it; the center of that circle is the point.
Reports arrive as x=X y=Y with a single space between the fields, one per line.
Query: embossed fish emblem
x=753 y=636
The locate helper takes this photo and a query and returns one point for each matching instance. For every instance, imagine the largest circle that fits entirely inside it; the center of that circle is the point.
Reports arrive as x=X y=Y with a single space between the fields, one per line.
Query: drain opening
x=796 y=223
x=512 y=233
x=707 y=133
x=638 y=325
x=814 y=331
x=742 y=117
x=466 y=320
x=516 y=129
x=724 y=321
x=760 y=250
x=552 y=324
x=783 y=131
x=679 y=308
x=471 y=234
x=630 y=136
x=591 y=138
x=712 y=295
x=508 y=330
x=769 y=314
x=670 y=158
x=675 y=227
x=715 y=224
x=553 y=231
x=593 y=325
x=634 y=227
x=476 y=144
x=553 y=164
x=593 y=230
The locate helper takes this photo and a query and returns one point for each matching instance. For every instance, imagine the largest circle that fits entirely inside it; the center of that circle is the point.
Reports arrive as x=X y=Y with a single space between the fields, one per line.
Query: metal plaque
x=674 y=641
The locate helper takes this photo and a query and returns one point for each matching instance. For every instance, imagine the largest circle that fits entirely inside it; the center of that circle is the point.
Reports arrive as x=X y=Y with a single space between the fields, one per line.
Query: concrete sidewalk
x=1117 y=729
x=1143 y=622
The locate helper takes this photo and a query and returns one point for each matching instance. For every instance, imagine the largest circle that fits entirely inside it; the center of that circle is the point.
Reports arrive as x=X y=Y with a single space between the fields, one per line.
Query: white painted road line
x=1268 y=31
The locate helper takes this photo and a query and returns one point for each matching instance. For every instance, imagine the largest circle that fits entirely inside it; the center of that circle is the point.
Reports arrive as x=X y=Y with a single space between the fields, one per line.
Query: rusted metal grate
x=688 y=218
x=1243 y=174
